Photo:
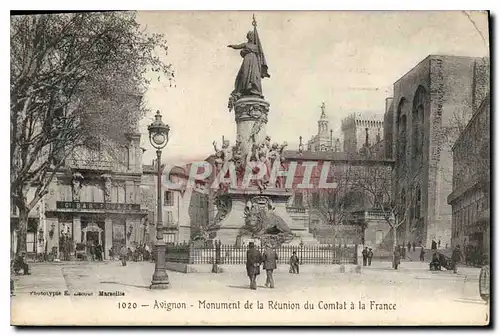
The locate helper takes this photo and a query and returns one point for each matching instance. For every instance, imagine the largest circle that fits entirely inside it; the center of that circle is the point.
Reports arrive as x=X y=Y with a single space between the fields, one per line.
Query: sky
x=349 y=60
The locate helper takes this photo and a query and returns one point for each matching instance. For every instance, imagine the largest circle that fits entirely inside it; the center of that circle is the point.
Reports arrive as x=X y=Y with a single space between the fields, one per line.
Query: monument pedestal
x=230 y=228
x=252 y=212
x=250 y=114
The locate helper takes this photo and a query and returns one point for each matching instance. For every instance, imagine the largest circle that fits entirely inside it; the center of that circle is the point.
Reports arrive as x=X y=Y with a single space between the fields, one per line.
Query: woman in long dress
x=252 y=70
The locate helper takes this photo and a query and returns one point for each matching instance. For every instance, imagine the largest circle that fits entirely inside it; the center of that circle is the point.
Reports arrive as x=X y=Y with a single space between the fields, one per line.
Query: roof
x=331 y=156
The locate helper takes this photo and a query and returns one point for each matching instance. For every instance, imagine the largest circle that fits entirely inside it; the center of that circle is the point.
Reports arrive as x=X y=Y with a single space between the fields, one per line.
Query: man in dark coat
x=254 y=259
x=365 y=255
x=433 y=245
x=294 y=263
x=422 y=253
x=270 y=259
x=456 y=257
x=370 y=256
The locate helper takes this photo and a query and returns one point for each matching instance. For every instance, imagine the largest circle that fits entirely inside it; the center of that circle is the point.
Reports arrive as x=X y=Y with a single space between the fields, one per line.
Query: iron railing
x=230 y=254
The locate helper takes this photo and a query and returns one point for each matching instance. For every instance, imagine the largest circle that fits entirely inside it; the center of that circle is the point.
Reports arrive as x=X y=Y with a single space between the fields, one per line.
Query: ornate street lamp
x=158 y=136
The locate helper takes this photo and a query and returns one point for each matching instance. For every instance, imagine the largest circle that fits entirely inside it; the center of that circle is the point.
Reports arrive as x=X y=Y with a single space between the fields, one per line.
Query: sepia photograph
x=250 y=168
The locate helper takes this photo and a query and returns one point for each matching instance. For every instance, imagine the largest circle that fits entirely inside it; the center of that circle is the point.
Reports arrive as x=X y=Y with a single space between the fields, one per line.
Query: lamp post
x=158 y=136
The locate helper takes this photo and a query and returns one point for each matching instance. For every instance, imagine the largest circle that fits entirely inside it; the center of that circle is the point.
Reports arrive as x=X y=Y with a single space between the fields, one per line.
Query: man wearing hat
x=254 y=259
x=270 y=259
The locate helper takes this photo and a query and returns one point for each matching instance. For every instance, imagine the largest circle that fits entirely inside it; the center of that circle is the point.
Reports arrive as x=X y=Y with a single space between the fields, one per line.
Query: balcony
x=90 y=164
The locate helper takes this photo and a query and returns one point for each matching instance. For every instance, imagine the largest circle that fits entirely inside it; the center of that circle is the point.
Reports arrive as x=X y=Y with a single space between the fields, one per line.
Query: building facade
x=361 y=131
x=95 y=201
x=420 y=116
x=470 y=199
x=183 y=208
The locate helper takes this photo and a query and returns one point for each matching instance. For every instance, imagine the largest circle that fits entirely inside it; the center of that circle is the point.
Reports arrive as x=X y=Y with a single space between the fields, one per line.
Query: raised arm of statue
x=215 y=146
x=237 y=46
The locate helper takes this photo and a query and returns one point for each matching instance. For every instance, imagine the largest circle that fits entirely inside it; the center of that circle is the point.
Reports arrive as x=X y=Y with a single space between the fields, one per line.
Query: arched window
x=402 y=134
x=419 y=102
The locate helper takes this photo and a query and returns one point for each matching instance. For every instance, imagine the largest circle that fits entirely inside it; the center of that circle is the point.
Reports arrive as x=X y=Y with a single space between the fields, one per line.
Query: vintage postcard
x=250 y=168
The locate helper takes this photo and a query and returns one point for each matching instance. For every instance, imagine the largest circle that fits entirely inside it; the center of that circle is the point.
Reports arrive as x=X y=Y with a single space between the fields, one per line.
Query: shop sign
x=97 y=206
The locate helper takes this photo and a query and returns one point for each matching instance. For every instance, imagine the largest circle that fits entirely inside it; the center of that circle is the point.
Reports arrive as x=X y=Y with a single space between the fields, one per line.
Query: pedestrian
x=123 y=255
x=110 y=254
x=397 y=257
x=370 y=256
x=365 y=255
x=433 y=245
x=294 y=263
x=270 y=260
x=413 y=245
x=456 y=257
x=422 y=253
x=402 y=251
x=439 y=243
x=409 y=247
x=130 y=254
x=254 y=259
x=435 y=264
x=98 y=252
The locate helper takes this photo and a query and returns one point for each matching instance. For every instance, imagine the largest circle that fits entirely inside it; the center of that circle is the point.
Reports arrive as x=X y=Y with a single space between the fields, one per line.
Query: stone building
x=362 y=130
x=324 y=139
x=425 y=103
x=470 y=199
x=183 y=208
x=95 y=200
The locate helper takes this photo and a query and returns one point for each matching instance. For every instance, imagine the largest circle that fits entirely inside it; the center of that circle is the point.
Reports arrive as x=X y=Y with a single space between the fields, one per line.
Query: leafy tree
x=76 y=82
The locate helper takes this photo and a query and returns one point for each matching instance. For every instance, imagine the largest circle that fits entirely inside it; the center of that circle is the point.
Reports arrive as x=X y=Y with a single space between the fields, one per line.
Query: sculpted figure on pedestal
x=76 y=186
x=252 y=70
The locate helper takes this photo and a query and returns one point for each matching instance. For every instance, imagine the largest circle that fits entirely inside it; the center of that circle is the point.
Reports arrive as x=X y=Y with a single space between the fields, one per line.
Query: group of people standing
x=140 y=253
x=367 y=256
x=268 y=259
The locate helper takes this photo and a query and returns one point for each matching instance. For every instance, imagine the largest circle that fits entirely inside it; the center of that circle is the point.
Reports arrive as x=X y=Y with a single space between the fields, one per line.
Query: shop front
x=88 y=230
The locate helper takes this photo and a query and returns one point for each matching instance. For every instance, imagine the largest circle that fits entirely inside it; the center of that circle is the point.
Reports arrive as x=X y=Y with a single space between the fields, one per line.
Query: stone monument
x=256 y=210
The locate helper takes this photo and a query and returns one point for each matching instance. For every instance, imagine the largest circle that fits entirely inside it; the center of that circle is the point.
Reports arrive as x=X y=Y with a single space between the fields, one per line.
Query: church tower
x=323 y=123
x=323 y=140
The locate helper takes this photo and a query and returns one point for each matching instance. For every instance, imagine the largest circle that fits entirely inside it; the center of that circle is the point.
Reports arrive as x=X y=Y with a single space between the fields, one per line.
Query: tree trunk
x=22 y=230
x=394 y=237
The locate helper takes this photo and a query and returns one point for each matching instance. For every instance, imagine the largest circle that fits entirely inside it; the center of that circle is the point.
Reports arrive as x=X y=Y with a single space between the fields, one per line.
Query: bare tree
x=75 y=82
x=375 y=182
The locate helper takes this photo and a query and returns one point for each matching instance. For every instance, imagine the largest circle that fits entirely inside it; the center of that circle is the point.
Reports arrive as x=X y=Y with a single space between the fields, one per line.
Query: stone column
x=77 y=229
x=251 y=119
x=108 y=236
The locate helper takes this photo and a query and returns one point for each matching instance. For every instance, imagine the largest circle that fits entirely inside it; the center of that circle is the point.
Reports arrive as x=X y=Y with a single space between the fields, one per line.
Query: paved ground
x=420 y=296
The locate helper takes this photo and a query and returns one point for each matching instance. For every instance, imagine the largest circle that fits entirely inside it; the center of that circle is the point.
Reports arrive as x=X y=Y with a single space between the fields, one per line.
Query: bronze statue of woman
x=253 y=68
